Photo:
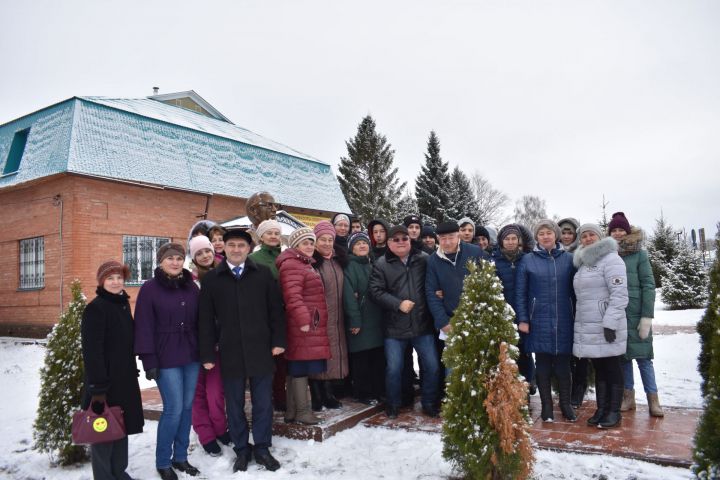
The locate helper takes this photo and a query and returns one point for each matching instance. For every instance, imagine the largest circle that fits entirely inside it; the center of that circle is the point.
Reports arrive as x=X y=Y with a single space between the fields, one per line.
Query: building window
x=17 y=148
x=139 y=255
x=32 y=263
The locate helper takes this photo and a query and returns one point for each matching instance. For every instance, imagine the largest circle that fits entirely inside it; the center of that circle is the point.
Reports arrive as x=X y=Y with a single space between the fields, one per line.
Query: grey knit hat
x=590 y=227
x=546 y=223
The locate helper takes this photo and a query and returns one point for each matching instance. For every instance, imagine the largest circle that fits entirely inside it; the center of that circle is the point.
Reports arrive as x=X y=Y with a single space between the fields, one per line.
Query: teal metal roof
x=148 y=141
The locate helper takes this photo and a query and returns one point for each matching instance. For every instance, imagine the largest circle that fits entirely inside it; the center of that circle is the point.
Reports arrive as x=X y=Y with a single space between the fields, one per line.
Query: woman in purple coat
x=166 y=339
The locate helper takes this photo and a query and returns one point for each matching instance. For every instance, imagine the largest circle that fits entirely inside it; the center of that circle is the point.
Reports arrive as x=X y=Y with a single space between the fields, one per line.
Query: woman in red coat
x=306 y=312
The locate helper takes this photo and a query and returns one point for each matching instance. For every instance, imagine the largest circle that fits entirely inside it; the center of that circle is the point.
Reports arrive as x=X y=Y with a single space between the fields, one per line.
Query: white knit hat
x=267 y=225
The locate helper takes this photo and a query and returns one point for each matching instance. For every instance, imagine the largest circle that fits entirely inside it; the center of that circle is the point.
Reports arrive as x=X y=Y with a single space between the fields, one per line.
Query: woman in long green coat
x=640 y=313
x=269 y=233
x=363 y=320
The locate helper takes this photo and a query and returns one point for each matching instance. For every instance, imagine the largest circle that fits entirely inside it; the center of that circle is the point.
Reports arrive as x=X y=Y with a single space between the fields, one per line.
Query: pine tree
x=405 y=207
x=433 y=183
x=707 y=436
x=603 y=222
x=662 y=249
x=462 y=201
x=486 y=427
x=61 y=381
x=686 y=281
x=367 y=177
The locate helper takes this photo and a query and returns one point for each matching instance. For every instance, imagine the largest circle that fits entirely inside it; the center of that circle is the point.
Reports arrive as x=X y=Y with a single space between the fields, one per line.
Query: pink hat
x=324 y=227
x=199 y=243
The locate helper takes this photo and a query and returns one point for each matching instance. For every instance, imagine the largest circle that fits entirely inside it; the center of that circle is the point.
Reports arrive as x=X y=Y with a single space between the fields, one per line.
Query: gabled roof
x=148 y=141
x=194 y=99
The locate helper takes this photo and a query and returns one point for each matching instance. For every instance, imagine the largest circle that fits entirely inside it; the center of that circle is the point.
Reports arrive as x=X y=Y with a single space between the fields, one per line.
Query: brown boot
x=290 y=410
x=628 y=402
x=654 y=405
x=303 y=414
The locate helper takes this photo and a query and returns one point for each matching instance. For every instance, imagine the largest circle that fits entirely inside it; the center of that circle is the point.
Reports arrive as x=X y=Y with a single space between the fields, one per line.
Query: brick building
x=93 y=178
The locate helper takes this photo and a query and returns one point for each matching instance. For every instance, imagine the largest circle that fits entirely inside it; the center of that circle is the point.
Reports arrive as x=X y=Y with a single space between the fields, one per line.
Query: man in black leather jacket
x=397 y=284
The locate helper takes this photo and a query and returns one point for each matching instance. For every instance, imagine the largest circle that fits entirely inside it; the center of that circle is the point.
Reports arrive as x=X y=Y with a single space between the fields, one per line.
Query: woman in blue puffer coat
x=513 y=242
x=544 y=300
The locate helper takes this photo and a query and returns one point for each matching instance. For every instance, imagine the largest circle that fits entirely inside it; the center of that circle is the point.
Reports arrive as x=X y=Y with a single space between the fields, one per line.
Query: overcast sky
x=567 y=100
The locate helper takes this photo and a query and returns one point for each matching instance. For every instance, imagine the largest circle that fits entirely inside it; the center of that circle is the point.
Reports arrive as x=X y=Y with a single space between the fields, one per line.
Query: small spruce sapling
x=484 y=385
x=61 y=381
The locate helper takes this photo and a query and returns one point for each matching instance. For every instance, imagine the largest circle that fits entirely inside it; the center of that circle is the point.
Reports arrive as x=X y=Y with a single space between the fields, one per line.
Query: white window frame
x=139 y=254
x=32 y=263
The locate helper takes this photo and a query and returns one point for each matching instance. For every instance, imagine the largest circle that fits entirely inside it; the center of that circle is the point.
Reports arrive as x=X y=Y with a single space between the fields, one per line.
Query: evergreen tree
x=462 y=201
x=61 y=381
x=707 y=436
x=486 y=427
x=432 y=185
x=406 y=206
x=662 y=249
x=603 y=222
x=367 y=177
x=686 y=281
x=529 y=210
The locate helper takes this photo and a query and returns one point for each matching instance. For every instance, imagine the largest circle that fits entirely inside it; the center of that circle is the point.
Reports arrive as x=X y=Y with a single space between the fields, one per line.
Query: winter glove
x=151 y=374
x=609 y=334
x=97 y=403
x=644 y=327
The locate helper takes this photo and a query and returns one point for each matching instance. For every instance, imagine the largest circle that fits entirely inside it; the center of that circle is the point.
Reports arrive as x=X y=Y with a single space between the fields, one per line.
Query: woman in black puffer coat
x=110 y=370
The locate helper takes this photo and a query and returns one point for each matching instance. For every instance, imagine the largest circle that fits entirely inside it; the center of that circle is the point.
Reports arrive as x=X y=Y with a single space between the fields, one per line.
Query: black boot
x=601 y=399
x=545 y=389
x=329 y=399
x=578 y=394
x=316 y=395
x=564 y=394
x=612 y=413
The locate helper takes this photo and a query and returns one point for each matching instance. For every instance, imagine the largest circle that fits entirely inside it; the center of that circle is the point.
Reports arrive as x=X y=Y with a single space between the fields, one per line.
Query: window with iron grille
x=139 y=256
x=32 y=263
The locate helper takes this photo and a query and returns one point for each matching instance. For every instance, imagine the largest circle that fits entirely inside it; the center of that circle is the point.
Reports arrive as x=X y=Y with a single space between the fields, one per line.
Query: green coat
x=360 y=311
x=641 y=290
x=266 y=256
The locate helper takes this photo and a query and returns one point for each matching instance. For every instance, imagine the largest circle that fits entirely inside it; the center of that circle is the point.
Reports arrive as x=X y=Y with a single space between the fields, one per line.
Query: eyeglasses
x=404 y=238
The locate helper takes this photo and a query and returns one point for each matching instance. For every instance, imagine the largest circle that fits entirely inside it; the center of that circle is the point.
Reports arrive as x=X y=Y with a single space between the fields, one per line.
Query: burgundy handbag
x=88 y=427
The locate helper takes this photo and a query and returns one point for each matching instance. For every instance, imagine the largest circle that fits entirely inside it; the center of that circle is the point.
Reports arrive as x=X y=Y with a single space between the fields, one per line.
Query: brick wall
x=96 y=214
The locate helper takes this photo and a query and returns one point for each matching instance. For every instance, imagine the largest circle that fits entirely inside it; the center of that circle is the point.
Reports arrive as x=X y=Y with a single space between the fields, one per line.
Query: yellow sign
x=309 y=220
x=100 y=425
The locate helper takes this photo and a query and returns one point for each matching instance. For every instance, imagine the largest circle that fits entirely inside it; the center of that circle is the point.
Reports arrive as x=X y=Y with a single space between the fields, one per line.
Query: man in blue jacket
x=446 y=271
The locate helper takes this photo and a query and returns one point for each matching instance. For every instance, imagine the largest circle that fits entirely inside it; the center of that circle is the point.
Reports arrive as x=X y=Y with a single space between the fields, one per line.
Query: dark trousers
x=609 y=370
x=262 y=411
x=109 y=460
x=547 y=365
x=579 y=370
x=367 y=369
x=525 y=362
x=278 y=387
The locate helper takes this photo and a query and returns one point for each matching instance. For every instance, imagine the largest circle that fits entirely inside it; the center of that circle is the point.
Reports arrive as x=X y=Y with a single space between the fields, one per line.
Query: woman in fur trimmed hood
x=640 y=312
x=600 y=326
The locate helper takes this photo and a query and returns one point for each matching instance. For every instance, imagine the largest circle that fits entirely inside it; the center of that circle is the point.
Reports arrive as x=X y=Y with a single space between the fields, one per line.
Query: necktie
x=237 y=271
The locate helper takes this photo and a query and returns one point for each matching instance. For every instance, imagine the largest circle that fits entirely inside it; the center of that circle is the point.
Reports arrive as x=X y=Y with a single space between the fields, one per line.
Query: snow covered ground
x=359 y=453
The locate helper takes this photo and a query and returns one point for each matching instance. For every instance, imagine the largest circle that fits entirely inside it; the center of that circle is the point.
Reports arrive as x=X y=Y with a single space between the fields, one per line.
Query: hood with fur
x=591 y=254
x=632 y=243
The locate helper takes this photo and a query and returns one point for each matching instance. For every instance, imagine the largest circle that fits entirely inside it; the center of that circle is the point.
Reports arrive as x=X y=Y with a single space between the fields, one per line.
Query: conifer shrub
x=486 y=420
x=685 y=284
x=706 y=454
x=61 y=381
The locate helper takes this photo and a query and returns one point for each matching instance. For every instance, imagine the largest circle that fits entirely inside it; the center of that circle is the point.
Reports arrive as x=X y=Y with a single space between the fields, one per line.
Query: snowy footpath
x=358 y=453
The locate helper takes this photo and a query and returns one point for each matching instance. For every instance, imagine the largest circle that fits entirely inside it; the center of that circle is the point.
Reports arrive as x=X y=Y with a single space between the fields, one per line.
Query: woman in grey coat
x=600 y=325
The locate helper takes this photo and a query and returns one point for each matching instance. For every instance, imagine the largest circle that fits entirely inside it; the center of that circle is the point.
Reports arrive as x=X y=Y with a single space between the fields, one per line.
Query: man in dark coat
x=241 y=311
x=397 y=284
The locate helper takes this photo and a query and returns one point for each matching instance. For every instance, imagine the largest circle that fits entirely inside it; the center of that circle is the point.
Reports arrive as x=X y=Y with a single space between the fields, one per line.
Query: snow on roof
x=146 y=141
x=148 y=107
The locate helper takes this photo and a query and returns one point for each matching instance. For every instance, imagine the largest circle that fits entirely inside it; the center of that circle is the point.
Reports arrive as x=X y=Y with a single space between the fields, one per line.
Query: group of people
x=338 y=311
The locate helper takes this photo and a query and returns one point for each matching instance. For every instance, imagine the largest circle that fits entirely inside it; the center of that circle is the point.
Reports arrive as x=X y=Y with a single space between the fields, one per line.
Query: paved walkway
x=666 y=441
